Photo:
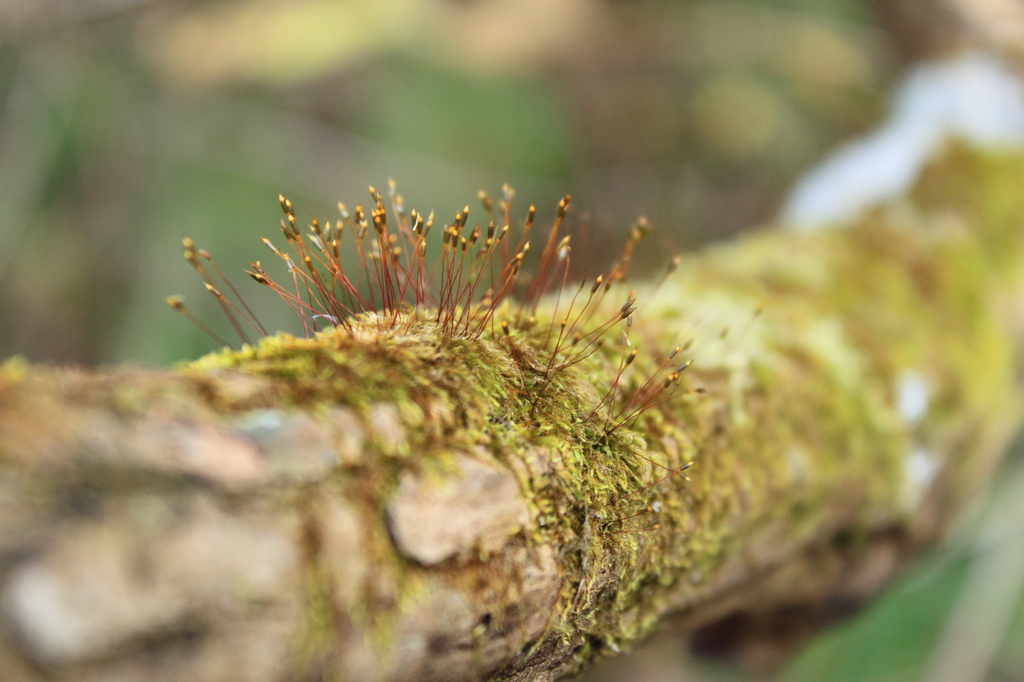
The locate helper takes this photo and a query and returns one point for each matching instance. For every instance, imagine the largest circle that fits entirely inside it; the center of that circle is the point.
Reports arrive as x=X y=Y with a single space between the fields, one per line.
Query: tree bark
x=388 y=504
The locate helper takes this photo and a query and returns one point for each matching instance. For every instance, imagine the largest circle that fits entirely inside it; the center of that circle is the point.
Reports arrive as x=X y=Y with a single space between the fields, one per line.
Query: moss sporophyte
x=366 y=284
x=806 y=342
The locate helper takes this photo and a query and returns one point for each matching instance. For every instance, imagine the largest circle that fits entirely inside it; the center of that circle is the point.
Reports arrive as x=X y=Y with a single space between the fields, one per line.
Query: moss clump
x=802 y=344
x=453 y=393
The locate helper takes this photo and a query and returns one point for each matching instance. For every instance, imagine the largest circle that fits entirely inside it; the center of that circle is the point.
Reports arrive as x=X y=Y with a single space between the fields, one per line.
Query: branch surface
x=383 y=503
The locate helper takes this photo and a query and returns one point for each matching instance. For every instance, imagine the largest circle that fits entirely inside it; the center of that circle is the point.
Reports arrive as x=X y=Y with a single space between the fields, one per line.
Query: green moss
x=800 y=342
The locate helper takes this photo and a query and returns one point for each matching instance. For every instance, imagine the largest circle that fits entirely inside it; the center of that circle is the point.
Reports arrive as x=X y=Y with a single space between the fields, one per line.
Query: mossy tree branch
x=384 y=503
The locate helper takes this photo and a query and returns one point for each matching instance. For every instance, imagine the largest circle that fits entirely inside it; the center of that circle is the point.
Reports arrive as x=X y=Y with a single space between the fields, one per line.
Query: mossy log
x=384 y=503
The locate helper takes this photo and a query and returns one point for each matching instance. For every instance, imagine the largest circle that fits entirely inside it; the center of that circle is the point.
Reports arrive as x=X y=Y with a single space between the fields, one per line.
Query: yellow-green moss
x=800 y=341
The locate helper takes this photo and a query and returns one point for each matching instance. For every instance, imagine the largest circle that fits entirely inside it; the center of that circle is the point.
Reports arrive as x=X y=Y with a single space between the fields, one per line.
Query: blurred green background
x=126 y=125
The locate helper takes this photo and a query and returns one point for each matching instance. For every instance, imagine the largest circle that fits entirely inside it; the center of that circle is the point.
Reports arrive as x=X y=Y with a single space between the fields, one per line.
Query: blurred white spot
x=912 y=396
x=656 y=507
x=973 y=97
x=36 y=603
x=263 y=421
x=919 y=469
x=797 y=461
